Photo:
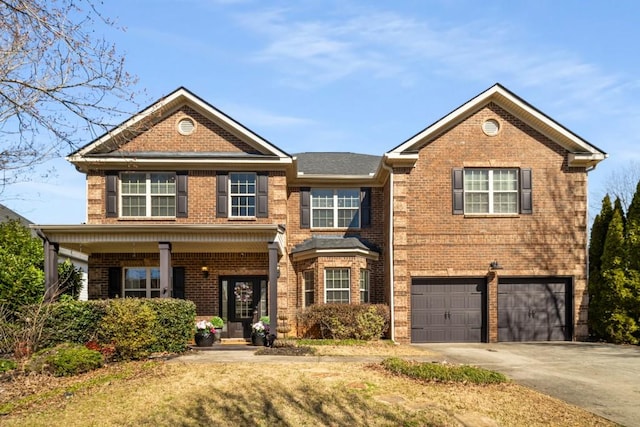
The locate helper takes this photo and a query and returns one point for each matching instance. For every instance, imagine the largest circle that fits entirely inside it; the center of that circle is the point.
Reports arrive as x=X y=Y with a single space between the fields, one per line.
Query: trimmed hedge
x=345 y=321
x=167 y=324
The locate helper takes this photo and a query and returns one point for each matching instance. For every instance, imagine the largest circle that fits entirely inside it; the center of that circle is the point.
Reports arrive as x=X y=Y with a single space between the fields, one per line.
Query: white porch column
x=165 y=270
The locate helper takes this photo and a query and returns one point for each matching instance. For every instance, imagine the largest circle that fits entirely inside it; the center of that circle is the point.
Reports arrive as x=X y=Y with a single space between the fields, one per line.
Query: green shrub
x=7 y=365
x=217 y=322
x=174 y=324
x=441 y=372
x=65 y=360
x=73 y=321
x=130 y=325
x=343 y=321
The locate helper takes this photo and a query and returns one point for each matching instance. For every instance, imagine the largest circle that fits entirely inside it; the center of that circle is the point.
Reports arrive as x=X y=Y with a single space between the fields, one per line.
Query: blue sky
x=364 y=76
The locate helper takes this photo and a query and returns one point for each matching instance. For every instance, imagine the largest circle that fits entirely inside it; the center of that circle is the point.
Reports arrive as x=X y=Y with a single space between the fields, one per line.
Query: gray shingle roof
x=332 y=242
x=324 y=163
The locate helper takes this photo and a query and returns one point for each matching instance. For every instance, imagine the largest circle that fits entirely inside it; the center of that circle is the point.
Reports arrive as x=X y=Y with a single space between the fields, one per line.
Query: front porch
x=208 y=265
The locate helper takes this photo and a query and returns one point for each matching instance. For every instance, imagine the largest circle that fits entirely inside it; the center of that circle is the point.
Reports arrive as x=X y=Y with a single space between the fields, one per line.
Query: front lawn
x=307 y=392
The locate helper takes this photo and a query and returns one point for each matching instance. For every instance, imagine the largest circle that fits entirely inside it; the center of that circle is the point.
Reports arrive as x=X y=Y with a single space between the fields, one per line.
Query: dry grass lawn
x=305 y=393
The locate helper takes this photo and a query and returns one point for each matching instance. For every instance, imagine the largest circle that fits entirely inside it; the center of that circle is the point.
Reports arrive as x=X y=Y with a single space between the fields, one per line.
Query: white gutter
x=391 y=276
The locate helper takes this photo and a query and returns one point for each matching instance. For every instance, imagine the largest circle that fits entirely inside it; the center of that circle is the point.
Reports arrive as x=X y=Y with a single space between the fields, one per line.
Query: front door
x=243 y=302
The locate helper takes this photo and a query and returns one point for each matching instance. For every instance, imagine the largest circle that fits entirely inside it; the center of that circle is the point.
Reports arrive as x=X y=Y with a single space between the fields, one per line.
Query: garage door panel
x=447 y=310
x=532 y=309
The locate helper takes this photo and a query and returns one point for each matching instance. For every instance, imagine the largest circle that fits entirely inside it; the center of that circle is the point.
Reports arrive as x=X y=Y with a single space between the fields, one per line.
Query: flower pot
x=204 y=340
x=218 y=335
x=257 y=339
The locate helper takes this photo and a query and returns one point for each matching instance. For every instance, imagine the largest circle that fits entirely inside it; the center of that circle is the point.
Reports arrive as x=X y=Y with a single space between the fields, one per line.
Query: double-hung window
x=243 y=194
x=365 y=294
x=148 y=194
x=335 y=208
x=491 y=191
x=309 y=287
x=142 y=282
x=337 y=285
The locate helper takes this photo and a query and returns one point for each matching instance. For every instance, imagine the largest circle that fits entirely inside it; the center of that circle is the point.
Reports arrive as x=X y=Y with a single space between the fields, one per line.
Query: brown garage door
x=447 y=310
x=534 y=309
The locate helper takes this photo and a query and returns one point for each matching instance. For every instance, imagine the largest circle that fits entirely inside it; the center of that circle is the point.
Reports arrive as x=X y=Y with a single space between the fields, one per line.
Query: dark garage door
x=447 y=310
x=534 y=309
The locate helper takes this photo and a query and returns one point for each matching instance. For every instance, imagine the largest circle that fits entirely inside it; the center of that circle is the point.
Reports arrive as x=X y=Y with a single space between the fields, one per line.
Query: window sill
x=334 y=228
x=147 y=218
x=242 y=218
x=514 y=215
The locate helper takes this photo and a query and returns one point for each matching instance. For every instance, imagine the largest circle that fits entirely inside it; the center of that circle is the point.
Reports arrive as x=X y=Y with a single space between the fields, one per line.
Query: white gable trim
x=172 y=101
x=514 y=105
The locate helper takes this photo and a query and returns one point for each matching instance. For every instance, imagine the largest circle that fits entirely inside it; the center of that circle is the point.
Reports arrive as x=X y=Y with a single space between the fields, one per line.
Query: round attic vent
x=186 y=126
x=491 y=127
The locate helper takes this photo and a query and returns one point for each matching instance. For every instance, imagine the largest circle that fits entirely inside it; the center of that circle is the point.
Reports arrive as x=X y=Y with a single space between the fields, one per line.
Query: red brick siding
x=432 y=242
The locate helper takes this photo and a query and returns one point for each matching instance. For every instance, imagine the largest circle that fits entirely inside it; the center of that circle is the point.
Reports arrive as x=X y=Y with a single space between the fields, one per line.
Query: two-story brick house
x=472 y=230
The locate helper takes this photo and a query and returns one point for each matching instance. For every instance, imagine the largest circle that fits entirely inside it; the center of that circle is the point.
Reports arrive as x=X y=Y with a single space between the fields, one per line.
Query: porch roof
x=144 y=238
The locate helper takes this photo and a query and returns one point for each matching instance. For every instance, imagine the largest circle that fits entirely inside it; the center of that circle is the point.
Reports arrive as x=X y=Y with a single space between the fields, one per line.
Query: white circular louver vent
x=491 y=127
x=186 y=126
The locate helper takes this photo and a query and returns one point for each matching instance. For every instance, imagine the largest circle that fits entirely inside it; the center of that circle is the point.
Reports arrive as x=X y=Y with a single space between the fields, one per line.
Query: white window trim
x=232 y=195
x=335 y=207
x=306 y=291
x=147 y=195
x=148 y=287
x=327 y=289
x=365 y=279
x=491 y=191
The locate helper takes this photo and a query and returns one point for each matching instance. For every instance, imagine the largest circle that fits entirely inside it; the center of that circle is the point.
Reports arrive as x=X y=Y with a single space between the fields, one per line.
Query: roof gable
x=582 y=153
x=226 y=138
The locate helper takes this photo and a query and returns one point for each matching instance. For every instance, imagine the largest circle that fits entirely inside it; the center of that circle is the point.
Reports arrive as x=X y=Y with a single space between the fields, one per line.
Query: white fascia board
x=585 y=159
x=196 y=102
x=315 y=253
x=514 y=105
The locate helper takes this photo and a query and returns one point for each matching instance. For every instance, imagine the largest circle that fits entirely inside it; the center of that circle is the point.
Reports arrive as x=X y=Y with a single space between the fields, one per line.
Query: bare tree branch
x=59 y=83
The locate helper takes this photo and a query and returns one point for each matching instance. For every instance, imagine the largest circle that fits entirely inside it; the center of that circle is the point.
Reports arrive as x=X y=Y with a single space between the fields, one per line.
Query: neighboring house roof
x=325 y=163
x=7 y=214
x=334 y=246
x=581 y=152
x=98 y=150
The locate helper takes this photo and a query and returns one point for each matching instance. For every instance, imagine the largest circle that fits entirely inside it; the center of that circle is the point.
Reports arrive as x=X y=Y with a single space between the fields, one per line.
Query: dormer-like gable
x=580 y=152
x=179 y=131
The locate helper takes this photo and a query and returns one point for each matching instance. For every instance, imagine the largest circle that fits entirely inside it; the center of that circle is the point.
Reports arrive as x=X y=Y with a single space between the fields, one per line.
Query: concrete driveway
x=601 y=378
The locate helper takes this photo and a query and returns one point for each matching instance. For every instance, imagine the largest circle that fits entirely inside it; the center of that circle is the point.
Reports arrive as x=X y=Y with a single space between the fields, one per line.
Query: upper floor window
x=142 y=282
x=309 y=287
x=492 y=191
x=337 y=287
x=242 y=194
x=148 y=194
x=365 y=290
x=335 y=208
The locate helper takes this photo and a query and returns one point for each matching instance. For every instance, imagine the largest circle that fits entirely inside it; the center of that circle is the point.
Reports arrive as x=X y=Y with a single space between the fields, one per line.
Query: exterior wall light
x=205 y=272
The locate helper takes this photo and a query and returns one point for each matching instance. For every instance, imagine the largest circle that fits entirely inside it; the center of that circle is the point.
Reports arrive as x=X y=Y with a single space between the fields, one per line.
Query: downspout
x=391 y=276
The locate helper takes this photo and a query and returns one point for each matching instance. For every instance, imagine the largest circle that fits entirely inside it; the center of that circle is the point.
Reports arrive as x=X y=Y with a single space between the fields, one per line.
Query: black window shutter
x=365 y=207
x=111 y=199
x=305 y=208
x=182 y=201
x=526 y=187
x=178 y=282
x=457 y=177
x=262 y=203
x=222 y=195
x=115 y=282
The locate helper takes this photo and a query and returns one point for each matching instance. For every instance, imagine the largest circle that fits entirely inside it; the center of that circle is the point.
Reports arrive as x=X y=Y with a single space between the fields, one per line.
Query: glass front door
x=243 y=302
